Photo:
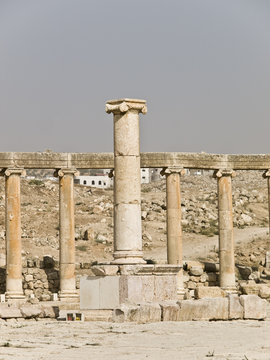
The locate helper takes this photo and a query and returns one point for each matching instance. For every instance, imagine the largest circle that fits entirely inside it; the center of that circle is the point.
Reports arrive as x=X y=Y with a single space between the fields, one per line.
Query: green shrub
x=36 y=182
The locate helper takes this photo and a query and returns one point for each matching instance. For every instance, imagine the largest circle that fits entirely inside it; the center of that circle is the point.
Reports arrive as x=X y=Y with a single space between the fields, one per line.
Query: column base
x=14 y=295
x=230 y=289
x=68 y=295
x=128 y=258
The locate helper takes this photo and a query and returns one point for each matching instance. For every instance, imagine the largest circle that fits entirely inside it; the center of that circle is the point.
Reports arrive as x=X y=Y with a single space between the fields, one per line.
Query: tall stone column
x=67 y=235
x=225 y=219
x=13 y=234
x=174 y=217
x=127 y=180
x=266 y=175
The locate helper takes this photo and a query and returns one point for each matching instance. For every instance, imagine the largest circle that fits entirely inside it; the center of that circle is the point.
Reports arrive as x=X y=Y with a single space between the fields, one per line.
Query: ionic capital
x=224 y=172
x=266 y=174
x=124 y=105
x=12 y=171
x=66 y=171
x=173 y=170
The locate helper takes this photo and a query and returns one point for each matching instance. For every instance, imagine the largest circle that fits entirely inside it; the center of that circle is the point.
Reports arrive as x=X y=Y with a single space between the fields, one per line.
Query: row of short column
x=13 y=234
x=225 y=221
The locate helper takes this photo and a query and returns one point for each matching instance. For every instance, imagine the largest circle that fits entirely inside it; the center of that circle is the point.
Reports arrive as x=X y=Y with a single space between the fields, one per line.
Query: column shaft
x=13 y=235
x=127 y=181
x=268 y=187
x=67 y=235
x=226 y=241
x=174 y=227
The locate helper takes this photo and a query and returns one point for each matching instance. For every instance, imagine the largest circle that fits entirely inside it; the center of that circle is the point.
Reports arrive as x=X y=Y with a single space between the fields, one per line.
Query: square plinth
x=133 y=284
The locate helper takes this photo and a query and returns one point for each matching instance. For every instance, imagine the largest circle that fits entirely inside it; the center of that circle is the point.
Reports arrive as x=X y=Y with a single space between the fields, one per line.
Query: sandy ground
x=31 y=340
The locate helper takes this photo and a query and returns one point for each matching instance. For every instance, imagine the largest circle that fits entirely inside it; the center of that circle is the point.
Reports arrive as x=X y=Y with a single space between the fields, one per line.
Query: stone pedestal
x=13 y=234
x=127 y=180
x=68 y=290
x=174 y=228
x=226 y=242
x=128 y=284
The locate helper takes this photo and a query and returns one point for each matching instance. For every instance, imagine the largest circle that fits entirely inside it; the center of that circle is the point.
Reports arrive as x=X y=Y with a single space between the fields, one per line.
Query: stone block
x=264 y=291
x=108 y=292
x=143 y=313
x=125 y=312
x=192 y=263
x=250 y=289
x=50 y=311
x=103 y=270
x=209 y=292
x=130 y=289
x=254 y=307
x=30 y=311
x=170 y=311
x=196 y=271
x=236 y=310
x=9 y=312
x=149 y=312
x=165 y=288
x=98 y=315
x=89 y=292
x=204 y=309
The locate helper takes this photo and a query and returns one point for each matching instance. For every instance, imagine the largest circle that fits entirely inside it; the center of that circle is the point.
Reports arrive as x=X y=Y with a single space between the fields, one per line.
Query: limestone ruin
x=127 y=288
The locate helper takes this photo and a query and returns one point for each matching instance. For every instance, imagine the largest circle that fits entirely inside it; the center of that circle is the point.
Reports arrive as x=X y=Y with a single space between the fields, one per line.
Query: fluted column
x=225 y=221
x=127 y=180
x=174 y=217
x=67 y=235
x=13 y=234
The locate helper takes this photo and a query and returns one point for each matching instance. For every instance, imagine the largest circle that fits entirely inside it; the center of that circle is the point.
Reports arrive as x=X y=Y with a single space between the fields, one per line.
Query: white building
x=104 y=181
x=98 y=181
x=145 y=176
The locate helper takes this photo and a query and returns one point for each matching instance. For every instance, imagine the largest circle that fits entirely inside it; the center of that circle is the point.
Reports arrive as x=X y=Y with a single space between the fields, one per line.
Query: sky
x=203 y=66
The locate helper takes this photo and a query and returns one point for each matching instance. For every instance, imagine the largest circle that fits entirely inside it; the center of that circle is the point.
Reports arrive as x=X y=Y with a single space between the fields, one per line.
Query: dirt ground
x=50 y=340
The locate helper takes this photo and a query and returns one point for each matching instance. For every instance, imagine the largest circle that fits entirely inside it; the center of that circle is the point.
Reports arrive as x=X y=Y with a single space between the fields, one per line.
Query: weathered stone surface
x=204 y=309
x=50 y=311
x=209 y=292
x=196 y=271
x=250 y=289
x=236 y=310
x=143 y=313
x=188 y=264
x=264 y=291
x=103 y=270
x=98 y=315
x=30 y=311
x=170 y=311
x=254 y=307
x=7 y=312
x=165 y=287
x=125 y=312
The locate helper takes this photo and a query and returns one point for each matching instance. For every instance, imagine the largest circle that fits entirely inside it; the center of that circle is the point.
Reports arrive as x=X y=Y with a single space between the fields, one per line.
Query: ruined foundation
x=127 y=288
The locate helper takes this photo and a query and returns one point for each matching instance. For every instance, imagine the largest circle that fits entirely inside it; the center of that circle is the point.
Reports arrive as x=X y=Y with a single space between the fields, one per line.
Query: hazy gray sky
x=202 y=65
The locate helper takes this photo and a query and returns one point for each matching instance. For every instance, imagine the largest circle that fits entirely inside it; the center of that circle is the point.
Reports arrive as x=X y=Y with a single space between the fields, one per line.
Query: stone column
x=67 y=235
x=266 y=175
x=13 y=234
x=174 y=227
x=225 y=219
x=127 y=180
